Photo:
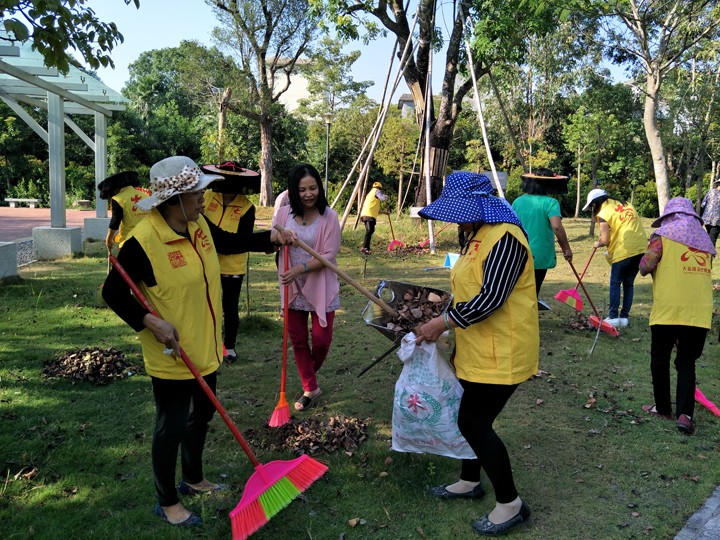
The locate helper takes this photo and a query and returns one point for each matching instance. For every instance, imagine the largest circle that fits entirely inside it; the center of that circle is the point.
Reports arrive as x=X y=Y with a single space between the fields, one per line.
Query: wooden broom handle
x=342 y=274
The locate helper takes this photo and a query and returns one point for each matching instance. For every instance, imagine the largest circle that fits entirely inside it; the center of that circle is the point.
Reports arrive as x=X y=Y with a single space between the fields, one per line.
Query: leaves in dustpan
x=418 y=306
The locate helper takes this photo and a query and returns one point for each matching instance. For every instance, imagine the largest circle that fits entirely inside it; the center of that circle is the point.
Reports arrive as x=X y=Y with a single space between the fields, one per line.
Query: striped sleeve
x=501 y=271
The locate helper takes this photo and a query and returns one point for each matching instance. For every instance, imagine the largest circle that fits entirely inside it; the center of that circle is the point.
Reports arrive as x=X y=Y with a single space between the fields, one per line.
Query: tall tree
x=500 y=26
x=655 y=36
x=267 y=37
x=55 y=26
x=329 y=79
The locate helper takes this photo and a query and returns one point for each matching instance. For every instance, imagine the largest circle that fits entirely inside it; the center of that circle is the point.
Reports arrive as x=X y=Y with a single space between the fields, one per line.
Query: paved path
x=705 y=523
x=17 y=223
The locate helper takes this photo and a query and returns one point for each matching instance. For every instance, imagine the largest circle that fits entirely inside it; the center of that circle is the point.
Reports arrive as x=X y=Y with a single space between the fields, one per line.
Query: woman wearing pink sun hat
x=679 y=257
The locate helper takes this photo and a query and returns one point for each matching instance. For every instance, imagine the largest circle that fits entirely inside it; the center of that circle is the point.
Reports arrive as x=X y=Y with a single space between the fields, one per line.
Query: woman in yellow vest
x=227 y=206
x=172 y=256
x=622 y=232
x=679 y=257
x=369 y=213
x=123 y=192
x=497 y=337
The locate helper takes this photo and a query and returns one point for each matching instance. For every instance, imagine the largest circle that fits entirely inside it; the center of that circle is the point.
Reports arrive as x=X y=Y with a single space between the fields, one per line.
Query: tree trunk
x=266 y=194
x=652 y=133
x=577 y=197
x=222 y=120
x=438 y=164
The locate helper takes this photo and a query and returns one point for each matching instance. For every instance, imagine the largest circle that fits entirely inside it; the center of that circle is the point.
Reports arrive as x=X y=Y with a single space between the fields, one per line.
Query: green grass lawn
x=586 y=459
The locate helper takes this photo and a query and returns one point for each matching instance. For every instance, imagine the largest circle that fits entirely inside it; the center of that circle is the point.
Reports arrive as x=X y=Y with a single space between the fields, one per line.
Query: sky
x=154 y=26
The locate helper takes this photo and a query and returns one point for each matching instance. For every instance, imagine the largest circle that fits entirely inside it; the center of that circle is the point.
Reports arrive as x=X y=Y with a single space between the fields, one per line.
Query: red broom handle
x=220 y=409
x=586 y=267
x=584 y=289
x=286 y=309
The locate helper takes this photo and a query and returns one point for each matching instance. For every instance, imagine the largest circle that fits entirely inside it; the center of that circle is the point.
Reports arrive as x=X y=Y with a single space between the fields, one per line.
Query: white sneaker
x=613 y=322
x=624 y=322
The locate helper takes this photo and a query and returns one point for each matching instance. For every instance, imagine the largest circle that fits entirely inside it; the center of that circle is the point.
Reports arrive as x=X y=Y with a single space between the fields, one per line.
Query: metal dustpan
x=392 y=293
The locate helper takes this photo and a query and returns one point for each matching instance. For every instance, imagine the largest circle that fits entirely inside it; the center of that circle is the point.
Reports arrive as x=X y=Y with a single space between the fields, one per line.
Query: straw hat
x=236 y=179
x=543 y=181
x=173 y=176
x=112 y=184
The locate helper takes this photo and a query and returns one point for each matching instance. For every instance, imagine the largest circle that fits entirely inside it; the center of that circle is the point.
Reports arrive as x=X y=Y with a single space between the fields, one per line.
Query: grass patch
x=600 y=471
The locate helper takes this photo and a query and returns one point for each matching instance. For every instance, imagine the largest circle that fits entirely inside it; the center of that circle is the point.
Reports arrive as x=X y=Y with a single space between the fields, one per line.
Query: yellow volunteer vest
x=627 y=235
x=682 y=287
x=504 y=348
x=127 y=198
x=187 y=294
x=228 y=218
x=371 y=206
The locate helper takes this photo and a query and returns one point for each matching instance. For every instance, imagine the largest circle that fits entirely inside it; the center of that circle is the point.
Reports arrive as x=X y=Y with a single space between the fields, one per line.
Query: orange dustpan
x=571 y=296
x=595 y=320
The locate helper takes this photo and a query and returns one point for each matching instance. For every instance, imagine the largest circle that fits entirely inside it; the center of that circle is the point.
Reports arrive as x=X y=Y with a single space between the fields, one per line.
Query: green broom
x=272 y=486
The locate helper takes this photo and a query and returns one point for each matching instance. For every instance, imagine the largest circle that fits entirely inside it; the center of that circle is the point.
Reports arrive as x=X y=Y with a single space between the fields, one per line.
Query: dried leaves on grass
x=98 y=366
x=313 y=435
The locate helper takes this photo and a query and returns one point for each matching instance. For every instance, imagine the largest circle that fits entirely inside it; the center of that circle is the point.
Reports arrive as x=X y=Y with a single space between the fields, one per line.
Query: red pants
x=309 y=358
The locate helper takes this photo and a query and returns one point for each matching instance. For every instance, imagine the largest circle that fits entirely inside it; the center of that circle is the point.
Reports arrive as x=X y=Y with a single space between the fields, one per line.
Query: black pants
x=182 y=414
x=539 y=278
x=369 y=230
x=713 y=231
x=689 y=341
x=230 y=297
x=479 y=406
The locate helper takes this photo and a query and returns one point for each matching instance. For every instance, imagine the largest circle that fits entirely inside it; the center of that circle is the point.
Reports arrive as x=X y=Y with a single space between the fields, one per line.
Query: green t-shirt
x=535 y=212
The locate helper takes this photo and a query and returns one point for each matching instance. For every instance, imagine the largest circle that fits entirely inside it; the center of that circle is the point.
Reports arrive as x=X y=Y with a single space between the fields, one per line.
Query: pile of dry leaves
x=313 y=435
x=98 y=366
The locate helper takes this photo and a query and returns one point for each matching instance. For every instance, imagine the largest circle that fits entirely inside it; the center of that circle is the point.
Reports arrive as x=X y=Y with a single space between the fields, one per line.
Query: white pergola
x=25 y=81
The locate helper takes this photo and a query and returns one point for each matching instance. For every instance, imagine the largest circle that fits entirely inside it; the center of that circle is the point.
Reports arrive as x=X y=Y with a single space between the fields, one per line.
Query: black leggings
x=539 y=278
x=230 y=297
x=182 y=414
x=479 y=406
x=369 y=230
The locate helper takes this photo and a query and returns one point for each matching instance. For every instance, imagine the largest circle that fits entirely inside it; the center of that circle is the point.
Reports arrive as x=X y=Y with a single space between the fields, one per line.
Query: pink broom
x=272 y=486
x=709 y=405
x=571 y=296
x=281 y=414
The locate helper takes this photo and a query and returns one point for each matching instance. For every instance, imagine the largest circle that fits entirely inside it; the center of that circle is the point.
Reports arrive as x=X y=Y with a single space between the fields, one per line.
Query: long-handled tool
x=272 y=486
x=571 y=296
x=427 y=240
x=281 y=414
x=705 y=402
x=370 y=296
x=595 y=320
x=375 y=361
x=395 y=243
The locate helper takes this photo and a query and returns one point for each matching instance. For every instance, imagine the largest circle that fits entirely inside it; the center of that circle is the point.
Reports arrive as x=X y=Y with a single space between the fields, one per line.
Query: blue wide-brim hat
x=467 y=198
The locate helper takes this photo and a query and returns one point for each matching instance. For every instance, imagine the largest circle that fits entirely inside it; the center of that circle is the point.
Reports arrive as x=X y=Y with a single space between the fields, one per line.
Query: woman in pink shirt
x=313 y=288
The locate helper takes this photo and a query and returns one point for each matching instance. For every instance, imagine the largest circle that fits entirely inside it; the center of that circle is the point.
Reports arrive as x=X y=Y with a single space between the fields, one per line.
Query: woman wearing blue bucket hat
x=497 y=339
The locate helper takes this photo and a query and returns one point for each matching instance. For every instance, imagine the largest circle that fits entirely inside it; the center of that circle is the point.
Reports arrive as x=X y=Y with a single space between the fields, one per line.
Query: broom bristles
x=270 y=489
x=304 y=475
x=281 y=414
x=247 y=520
x=572 y=300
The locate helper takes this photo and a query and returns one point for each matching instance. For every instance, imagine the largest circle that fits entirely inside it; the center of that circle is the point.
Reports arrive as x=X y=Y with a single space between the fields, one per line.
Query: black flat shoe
x=191 y=521
x=441 y=491
x=487 y=528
